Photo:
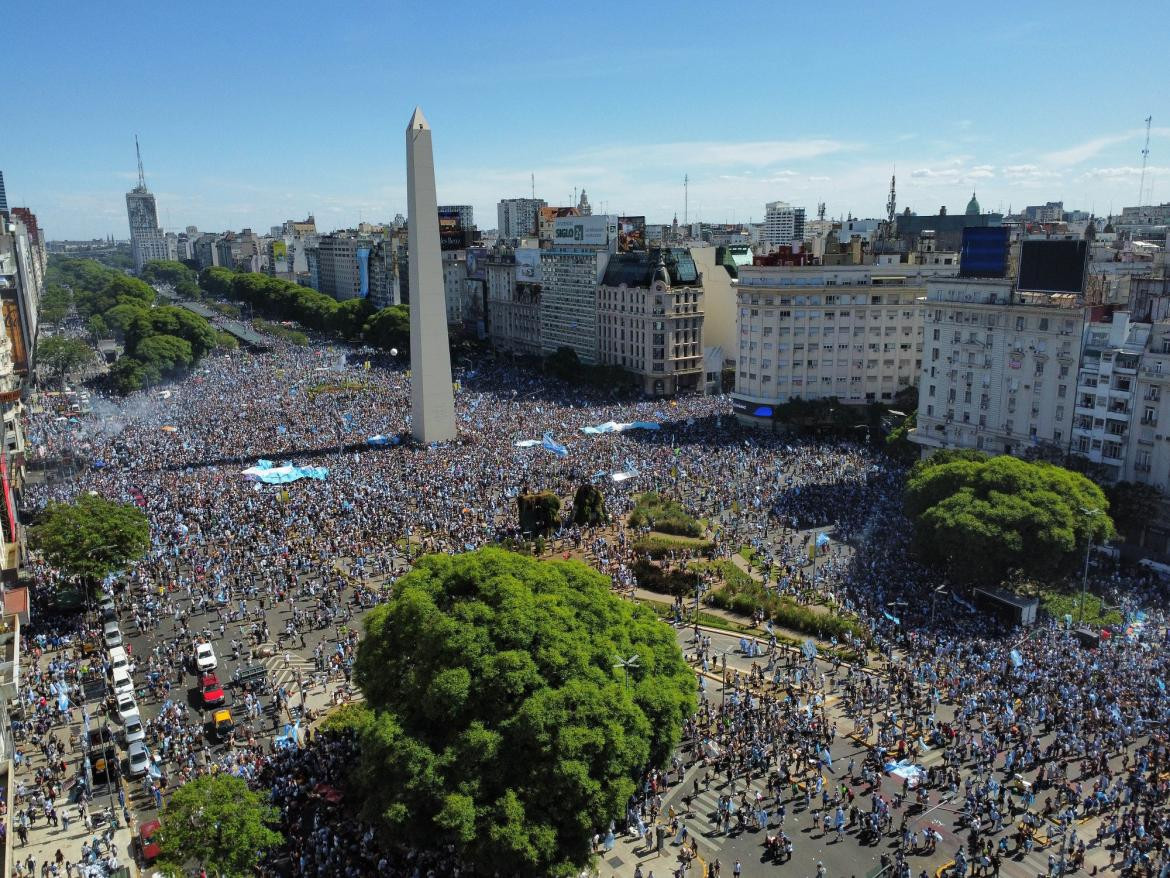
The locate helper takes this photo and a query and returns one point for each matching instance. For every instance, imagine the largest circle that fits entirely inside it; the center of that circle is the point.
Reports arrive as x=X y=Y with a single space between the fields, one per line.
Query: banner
x=615 y=427
x=549 y=444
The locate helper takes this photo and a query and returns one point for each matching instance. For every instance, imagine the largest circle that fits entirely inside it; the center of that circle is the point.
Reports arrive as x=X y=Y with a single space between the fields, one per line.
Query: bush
x=538 y=512
x=664 y=515
x=676 y=583
x=658 y=545
x=742 y=594
x=589 y=506
x=292 y=336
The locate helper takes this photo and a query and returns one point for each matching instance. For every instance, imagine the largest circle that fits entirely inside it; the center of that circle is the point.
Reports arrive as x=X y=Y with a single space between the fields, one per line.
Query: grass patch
x=1059 y=605
x=659 y=545
x=292 y=336
x=664 y=515
x=672 y=582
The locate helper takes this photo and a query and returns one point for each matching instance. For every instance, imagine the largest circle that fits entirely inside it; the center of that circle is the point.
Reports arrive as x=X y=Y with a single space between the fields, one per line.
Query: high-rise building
x=783 y=224
x=513 y=299
x=340 y=264
x=650 y=319
x=3 y=196
x=21 y=286
x=570 y=271
x=518 y=218
x=463 y=212
x=146 y=238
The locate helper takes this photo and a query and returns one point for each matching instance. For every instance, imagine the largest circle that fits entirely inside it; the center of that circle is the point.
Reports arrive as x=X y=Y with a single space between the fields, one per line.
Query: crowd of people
x=226 y=548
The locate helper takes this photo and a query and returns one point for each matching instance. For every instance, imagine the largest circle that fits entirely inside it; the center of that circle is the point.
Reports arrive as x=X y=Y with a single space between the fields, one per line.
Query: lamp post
x=942 y=589
x=625 y=664
x=1085 y=576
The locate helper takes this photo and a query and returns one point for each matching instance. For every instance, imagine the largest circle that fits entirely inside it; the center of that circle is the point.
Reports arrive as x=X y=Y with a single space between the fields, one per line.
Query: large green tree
x=216 y=823
x=91 y=536
x=62 y=355
x=983 y=517
x=504 y=721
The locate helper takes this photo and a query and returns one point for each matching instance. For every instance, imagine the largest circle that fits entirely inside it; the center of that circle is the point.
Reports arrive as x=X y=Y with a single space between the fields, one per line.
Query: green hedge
x=658 y=545
x=677 y=583
x=742 y=594
x=664 y=515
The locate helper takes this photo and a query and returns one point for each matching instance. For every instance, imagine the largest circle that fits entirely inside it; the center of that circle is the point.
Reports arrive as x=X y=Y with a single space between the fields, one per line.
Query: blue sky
x=250 y=114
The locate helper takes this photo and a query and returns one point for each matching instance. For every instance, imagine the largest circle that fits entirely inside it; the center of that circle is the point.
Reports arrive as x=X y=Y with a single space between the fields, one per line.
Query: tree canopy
x=504 y=723
x=983 y=517
x=62 y=355
x=91 y=536
x=184 y=280
x=218 y=823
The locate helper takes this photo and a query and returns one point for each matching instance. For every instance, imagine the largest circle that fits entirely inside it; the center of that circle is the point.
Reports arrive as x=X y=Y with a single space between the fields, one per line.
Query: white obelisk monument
x=432 y=399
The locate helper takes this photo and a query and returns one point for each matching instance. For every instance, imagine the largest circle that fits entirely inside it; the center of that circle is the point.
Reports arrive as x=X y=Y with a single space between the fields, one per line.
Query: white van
x=118 y=659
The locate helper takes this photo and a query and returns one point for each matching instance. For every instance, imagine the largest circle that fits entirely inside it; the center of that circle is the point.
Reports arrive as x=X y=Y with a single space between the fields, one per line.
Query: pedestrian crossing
x=282 y=674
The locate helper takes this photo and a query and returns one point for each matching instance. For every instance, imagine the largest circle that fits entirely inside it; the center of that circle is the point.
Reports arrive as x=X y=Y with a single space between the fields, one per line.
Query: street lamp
x=942 y=589
x=625 y=664
x=1085 y=577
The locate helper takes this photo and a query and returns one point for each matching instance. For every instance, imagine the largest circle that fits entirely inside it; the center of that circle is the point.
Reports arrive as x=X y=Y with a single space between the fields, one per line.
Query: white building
x=570 y=272
x=455 y=286
x=999 y=367
x=1107 y=393
x=1147 y=458
x=783 y=224
x=513 y=292
x=518 y=218
x=851 y=332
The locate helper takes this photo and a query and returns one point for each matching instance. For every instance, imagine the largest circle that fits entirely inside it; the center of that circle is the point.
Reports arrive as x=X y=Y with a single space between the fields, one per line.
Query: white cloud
x=1080 y=152
x=1125 y=172
x=759 y=153
x=819 y=179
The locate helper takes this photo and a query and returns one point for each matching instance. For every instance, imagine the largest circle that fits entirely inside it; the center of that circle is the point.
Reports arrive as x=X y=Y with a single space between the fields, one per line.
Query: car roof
x=223 y=713
x=135 y=747
x=149 y=828
x=133 y=717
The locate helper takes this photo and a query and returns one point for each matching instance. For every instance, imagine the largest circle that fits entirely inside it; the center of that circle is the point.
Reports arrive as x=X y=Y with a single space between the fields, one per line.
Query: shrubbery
x=677 y=583
x=664 y=515
x=742 y=594
x=538 y=512
x=660 y=545
x=589 y=506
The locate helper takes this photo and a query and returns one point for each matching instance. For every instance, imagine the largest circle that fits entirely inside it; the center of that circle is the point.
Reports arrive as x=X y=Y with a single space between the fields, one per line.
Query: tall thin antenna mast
x=533 y=176
x=686 y=198
x=1145 y=157
x=142 y=176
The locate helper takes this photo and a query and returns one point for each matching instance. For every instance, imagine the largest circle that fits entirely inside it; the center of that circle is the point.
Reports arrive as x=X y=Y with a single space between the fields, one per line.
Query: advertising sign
x=588 y=231
x=631 y=233
x=527 y=265
x=279 y=250
x=449 y=219
x=477 y=263
x=363 y=261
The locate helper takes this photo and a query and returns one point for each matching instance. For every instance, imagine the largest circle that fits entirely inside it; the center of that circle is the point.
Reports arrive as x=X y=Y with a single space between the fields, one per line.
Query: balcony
x=1116 y=413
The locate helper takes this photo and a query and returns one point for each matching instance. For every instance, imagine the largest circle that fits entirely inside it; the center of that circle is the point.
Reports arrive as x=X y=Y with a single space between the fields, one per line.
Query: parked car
x=111 y=634
x=148 y=848
x=223 y=724
x=205 y=659
x=138 y=759
x=123 y=684
x=132 y=729
x=126 y=706
x=212 y=690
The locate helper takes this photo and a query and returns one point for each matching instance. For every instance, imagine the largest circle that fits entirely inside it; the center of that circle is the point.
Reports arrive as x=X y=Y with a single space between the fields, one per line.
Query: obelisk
x=432 y=400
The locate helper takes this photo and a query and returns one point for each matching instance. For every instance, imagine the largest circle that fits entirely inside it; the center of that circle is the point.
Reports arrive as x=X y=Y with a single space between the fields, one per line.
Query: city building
x=783 y=224
x=513 y=299
x=583 y=206
x=146 y=238
x=338 y=264
x=1107 y=392
x=518 y=218
x=999 y=367
x=947 y=228
x=571 y=268
x=547 y=222
x=461 y=212
x=650 y=319
x=454 y=286
x=385 y=288
x=3 y=195
x=1051 y=212
x=853 y=333
x=21 y=285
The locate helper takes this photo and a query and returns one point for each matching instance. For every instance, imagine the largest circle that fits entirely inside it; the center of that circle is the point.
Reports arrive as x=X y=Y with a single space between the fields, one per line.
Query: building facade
x=570 y=270
x=650 y=319
x=464 y=212
x=783 y=224
x=518 y=218
x=147 y=241
x=513 y=300
x=853 y=333
x=999 y=367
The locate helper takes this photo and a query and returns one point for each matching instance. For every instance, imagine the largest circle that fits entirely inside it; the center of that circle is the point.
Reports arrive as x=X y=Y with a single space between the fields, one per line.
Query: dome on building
x=973 y=206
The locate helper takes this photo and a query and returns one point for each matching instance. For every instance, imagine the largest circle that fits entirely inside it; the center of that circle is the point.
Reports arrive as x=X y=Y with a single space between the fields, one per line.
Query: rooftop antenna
x=142 y=176
x=686 y=198
x=892 y=202
x=820 y=210
x=533 y=179
x=1145 y=157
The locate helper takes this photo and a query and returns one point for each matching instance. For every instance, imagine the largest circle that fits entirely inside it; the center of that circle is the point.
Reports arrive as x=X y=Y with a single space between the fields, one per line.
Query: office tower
x=146 y=238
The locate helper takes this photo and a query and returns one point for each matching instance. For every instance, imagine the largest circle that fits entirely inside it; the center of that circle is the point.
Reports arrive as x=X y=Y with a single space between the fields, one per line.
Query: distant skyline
x=249 y=115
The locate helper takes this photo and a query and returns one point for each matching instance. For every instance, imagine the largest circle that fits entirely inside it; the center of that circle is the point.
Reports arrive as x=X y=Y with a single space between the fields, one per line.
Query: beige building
x=999 y=367
x=513 y=293
x=650 y=319
x=812 y=332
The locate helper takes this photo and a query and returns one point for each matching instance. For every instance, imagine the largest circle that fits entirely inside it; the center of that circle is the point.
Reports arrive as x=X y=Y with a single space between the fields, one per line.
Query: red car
x=212 y=691
x=147 y=846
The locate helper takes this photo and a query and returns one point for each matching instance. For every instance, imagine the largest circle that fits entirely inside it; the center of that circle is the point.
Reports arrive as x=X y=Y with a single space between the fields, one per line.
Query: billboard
x=450 y=220
x=279 y=249
x=984 y=252
x=363 y=261
x=1053 y=266
x=631 y=233
x=588 y=231
x=527 y=265
x=477 y=263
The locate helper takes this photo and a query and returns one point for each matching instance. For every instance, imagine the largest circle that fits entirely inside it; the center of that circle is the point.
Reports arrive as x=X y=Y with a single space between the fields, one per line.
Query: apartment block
x=813 y=332
x=999 y=367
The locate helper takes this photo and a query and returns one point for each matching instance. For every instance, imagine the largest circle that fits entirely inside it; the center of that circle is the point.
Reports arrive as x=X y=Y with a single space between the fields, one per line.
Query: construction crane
x=1145 y=158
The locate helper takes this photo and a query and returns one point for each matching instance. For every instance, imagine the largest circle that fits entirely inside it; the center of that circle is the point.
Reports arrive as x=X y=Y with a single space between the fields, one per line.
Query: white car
x=123 y=684
x=205 y=659
x=132 y=729
x=112 y=634
x=106 y=602
x=138 y=759
x=127 y=706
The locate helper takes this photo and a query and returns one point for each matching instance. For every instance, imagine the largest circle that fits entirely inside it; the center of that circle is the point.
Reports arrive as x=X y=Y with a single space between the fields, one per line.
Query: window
x=1019 y=328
